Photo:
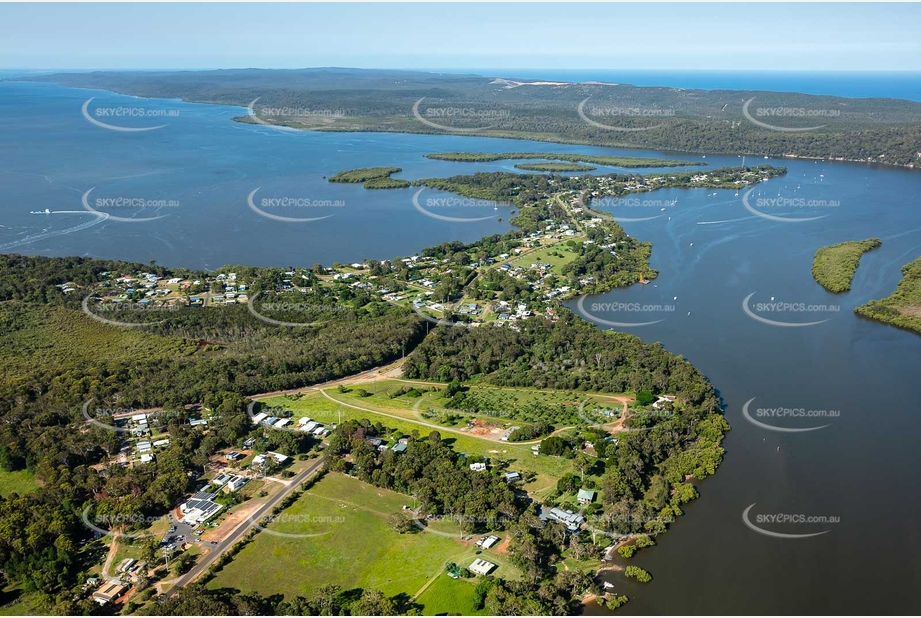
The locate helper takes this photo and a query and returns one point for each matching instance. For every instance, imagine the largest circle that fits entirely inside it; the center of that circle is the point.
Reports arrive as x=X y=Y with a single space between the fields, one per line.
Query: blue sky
x=456 y=36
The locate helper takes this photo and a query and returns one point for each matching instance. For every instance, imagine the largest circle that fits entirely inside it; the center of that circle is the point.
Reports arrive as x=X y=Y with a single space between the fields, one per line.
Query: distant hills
x=701 y=121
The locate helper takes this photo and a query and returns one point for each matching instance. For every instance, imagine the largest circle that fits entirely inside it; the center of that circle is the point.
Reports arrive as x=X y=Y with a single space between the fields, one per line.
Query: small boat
x=47 y=211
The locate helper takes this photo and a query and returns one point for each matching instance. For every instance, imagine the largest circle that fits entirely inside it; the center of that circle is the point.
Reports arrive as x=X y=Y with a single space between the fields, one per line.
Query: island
x=903 y=307
x=613 y=161
x=834 y=266
x=554 y=167
x=372 y=178
x=879 y=130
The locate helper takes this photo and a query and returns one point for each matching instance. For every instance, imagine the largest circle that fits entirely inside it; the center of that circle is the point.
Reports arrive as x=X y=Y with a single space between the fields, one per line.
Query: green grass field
x=356 y=549
x=20 y=482
x=447 y=596
x=519 y=456
x=543 y=256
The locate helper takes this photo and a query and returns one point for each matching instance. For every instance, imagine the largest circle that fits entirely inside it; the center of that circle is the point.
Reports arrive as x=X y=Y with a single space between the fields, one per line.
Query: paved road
x=234 y=536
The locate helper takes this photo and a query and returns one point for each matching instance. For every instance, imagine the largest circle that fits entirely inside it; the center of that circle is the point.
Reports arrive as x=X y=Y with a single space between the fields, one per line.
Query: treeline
x=901 y=308
x=834 y=266
x=704 y=121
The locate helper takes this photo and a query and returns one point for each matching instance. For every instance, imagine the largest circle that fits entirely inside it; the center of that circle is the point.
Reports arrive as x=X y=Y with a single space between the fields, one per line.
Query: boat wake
x=98 y=218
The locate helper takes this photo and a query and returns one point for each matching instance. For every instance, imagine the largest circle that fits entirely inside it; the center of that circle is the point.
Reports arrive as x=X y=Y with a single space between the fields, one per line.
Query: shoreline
x=549 y=139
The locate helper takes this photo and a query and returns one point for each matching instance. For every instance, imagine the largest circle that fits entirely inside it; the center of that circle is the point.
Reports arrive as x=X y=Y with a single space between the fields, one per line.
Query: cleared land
x=356 y=549
x=834 y=266
x=20 y=482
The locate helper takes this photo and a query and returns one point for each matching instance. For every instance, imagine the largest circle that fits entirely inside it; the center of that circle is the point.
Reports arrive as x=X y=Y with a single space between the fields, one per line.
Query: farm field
x=519 y=456
x=354 y=547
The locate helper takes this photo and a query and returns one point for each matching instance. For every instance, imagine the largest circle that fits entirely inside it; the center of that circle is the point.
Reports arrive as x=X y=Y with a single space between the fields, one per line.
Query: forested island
x=903 y=307
x=614 y=161
x=886 y=131
x=834 y=266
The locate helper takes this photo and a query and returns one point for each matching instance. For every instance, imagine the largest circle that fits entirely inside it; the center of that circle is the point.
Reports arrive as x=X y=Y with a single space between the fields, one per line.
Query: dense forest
x=701 y=121
x=902 y=308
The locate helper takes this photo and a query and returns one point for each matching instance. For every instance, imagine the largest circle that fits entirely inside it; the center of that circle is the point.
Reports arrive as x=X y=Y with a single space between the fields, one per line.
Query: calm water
x=861 y=468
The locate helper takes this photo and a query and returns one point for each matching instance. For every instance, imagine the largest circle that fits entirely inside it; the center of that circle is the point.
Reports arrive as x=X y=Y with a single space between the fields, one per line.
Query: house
x=235 y=483
x=399 y=447
x=303 y=420
x=147 y=458
x=281 y=422
x=221 y=479
x=109 y=591
x=318 y=431
x=481 y=567
x=487 y=541
x=310 y=425
x=143 y=447
x=125 y=565
x=277 y=456
x=161 y=443
x=663 y=399
x=478 y=467
x=249 y=443
x=511 y=477
x=571 y=520
x=259 y=418
x=234 y=456
x=198 y=421
x=199 y=508
x=586 y=496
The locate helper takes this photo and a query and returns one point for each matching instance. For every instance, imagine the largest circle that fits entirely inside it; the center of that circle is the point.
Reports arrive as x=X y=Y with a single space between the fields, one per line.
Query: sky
x=739 y=36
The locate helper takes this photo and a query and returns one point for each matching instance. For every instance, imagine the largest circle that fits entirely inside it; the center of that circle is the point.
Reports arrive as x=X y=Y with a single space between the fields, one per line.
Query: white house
x=481 y=567
x=478 y=467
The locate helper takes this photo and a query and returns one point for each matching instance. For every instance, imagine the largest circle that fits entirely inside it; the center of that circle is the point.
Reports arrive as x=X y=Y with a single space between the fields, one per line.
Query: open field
x=519 y=455
x=356 y=548
x=20 y=482
x=543 y=256
x=447 y=596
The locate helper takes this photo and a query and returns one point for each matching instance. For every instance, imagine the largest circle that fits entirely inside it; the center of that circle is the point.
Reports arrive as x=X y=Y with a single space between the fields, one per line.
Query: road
x=235 y=536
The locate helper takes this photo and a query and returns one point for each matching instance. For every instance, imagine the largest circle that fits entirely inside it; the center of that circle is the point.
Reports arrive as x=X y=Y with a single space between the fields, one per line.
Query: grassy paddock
x=356 y=549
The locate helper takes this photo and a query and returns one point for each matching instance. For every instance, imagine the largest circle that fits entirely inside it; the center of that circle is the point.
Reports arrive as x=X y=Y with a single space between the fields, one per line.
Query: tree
x=401 y=522
x=373 y=603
